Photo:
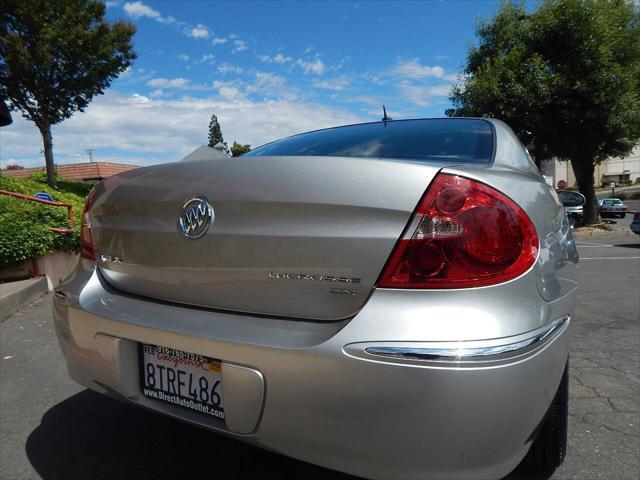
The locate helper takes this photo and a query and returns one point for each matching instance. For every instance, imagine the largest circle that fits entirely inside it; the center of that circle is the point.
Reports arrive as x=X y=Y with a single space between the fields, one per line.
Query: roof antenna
x=385 y=118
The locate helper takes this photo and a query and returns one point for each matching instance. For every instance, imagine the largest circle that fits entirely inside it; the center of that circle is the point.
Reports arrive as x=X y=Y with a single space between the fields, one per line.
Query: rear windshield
x=462 y=140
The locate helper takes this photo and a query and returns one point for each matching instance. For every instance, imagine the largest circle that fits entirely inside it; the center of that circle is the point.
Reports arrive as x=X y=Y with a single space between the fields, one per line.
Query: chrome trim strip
x=481 y=353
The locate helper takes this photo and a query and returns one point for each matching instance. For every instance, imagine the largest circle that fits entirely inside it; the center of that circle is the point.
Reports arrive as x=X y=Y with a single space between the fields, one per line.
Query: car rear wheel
x=550 y=446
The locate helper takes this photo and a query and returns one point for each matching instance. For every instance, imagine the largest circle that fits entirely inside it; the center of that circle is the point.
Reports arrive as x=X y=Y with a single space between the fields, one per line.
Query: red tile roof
x=77 y=171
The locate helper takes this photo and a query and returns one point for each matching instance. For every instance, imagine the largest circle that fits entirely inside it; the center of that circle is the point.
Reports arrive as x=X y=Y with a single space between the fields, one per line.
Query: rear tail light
x=463 y=234
x=86 y=246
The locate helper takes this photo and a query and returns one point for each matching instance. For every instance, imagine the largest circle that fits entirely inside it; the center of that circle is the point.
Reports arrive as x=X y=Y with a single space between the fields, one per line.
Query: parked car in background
x=612 y=207
x=573 y=203
x=635 y=225
x=390 y=299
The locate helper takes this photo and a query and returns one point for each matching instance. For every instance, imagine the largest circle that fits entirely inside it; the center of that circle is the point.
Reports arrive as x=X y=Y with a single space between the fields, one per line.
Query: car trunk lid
x=302 y=237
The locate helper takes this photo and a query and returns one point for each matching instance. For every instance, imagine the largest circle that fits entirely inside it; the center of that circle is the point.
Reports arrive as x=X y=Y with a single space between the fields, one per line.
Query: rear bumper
x=355 y=396
x=604 y=213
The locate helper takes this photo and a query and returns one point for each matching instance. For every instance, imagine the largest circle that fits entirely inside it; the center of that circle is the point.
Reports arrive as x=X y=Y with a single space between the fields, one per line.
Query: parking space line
x=607 y=258
x=597 y=244
x=593 y=246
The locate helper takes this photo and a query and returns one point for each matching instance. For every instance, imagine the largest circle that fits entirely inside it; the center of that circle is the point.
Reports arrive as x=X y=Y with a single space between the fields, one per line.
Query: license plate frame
x=187 y=391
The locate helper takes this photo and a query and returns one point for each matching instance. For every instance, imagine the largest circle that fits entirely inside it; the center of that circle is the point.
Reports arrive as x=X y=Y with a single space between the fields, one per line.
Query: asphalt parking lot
x=51 y=428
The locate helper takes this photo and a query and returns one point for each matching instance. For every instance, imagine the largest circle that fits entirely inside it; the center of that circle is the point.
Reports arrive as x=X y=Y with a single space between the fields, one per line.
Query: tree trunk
x=583 y=170
x=47 y=139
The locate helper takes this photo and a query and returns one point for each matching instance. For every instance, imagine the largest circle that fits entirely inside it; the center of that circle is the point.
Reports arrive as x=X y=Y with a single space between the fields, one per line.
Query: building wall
x=611 y=170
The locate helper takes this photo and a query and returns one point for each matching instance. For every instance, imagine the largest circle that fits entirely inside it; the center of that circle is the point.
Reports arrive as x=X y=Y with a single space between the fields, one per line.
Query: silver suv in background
x=573 y=206
x=391 y=299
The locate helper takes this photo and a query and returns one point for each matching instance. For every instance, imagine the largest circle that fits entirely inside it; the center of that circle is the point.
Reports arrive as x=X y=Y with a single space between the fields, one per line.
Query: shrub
x=630 y=195
x=25 y=226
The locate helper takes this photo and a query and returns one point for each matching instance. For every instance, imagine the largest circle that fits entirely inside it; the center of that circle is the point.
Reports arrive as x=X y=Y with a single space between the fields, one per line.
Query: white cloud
x=183 y=57
x=207 y=58
x=374 y=78
x=368 y=99
x=168 y=83
x=228 y=90
x=137 y=98
x=413 y=69
x=137 y=10
x=199 y=31
x=281 y=59
x=239 y=46
x=336 y=84
x=421 y=95
x=157 y=93
x=271 y=86
x=169 y=20
x=151 y=130
x=228 y=68
x=316 y=66
x=454 y=77
x=218 y=41
x=439 y=90
x=278 y=58
x=132 y=76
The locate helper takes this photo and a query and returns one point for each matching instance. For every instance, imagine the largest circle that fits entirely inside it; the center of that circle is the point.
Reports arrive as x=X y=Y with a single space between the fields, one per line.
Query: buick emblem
x=195 y=218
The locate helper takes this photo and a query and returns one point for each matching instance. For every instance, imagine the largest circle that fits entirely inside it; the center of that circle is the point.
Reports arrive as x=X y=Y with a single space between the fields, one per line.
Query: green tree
x=215 y=132
x=565 y=77
x=55 y=56
x=238 y=149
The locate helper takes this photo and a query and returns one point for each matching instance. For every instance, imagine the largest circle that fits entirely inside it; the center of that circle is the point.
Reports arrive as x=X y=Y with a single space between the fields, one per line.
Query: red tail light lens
x=463 y=234
x=86 y=246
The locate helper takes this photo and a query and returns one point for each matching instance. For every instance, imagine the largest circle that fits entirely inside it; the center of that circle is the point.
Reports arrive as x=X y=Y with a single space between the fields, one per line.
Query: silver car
x=612 y=207
x=391 y=299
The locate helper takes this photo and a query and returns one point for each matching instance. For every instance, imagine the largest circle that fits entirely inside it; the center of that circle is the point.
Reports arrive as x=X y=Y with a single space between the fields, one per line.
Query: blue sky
x=266 y=69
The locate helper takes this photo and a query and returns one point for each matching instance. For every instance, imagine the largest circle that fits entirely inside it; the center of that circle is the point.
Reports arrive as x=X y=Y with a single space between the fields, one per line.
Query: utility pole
x=90 y=153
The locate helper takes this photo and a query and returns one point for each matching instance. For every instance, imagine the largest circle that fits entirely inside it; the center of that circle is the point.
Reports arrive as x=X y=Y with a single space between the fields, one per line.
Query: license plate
x=181 y=378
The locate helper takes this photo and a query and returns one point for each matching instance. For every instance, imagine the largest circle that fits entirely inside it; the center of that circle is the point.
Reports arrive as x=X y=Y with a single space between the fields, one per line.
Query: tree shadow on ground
x=93 y=436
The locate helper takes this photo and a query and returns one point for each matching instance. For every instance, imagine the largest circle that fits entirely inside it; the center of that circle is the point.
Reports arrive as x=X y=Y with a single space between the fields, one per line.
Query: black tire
x=550 y=446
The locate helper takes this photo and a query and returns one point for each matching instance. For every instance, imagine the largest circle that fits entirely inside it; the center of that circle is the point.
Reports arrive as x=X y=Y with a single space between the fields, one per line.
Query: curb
x=15 y=295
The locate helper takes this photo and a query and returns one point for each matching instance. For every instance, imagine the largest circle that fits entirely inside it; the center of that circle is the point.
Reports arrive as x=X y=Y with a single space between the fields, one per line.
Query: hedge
x=24 y=225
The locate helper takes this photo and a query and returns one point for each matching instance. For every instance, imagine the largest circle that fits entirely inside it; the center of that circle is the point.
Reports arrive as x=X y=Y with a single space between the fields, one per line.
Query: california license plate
x=180 y=378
